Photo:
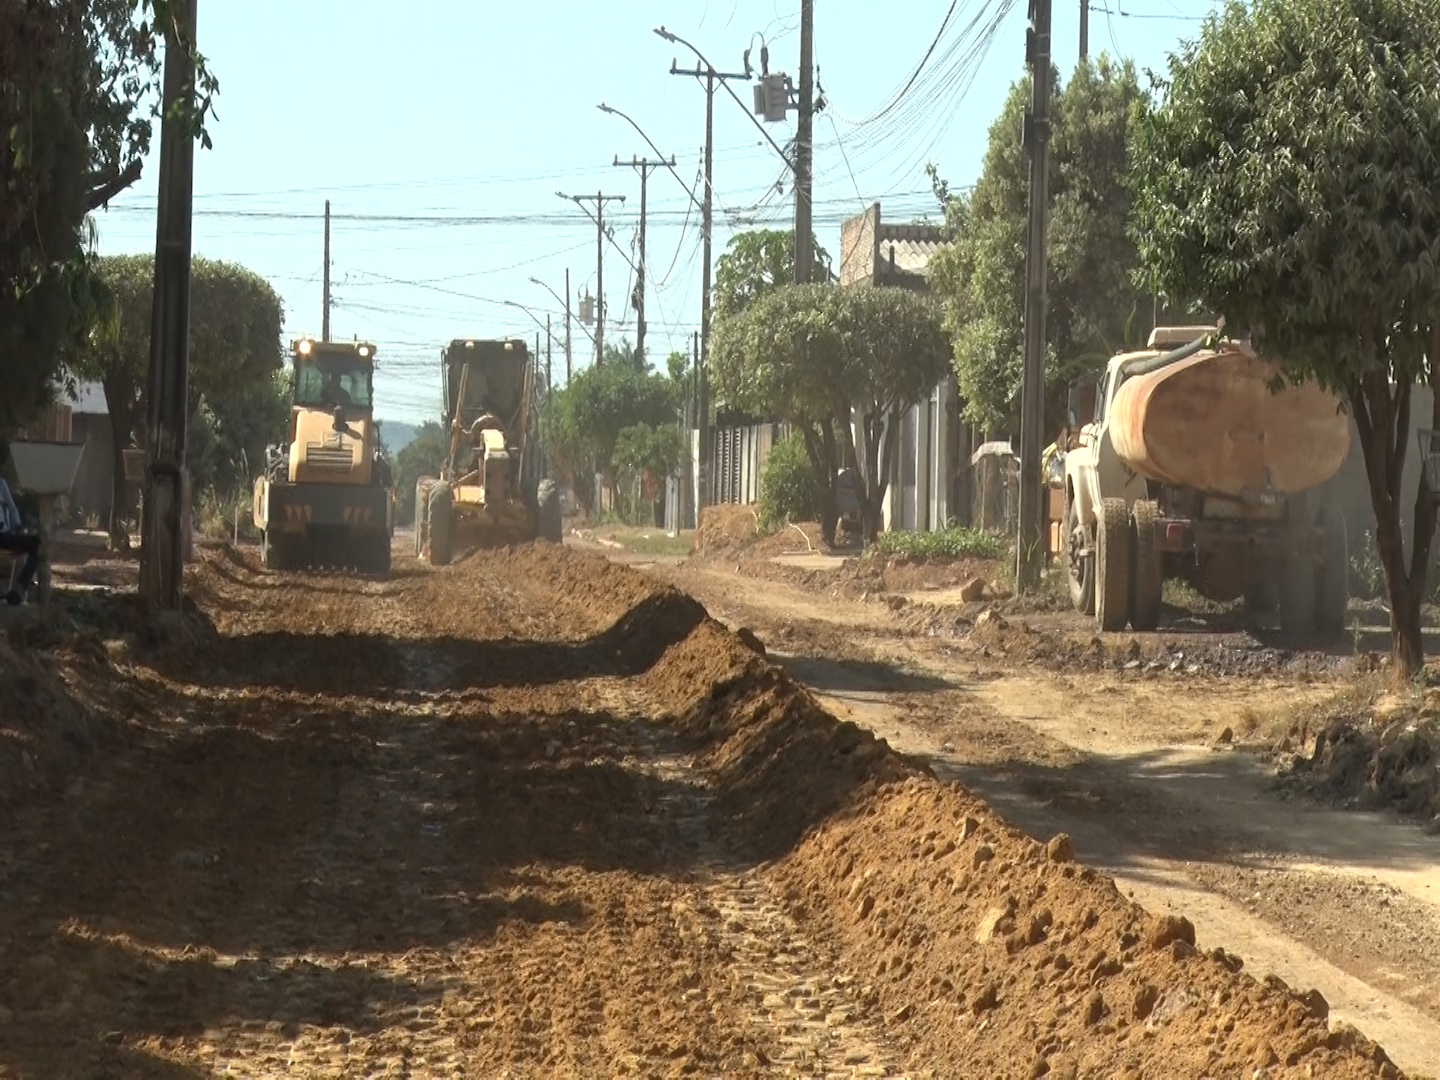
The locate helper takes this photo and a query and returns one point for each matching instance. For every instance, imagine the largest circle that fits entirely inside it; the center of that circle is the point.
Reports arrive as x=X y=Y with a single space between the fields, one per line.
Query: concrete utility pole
x=325 y=323
x=805 y=148
x=644 y=165
x=707 y=216
x=162 y=539
x=1084 y=28
x=1030 y=546
x=568 y=361
x=600 y=199
x=549 y=347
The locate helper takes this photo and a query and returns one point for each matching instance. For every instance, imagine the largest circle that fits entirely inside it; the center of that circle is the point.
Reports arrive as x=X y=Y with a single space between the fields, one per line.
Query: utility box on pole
x=772 y=97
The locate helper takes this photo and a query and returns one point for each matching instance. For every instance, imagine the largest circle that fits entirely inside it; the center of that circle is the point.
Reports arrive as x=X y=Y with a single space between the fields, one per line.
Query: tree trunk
x=820 y=450
x=1383 y=422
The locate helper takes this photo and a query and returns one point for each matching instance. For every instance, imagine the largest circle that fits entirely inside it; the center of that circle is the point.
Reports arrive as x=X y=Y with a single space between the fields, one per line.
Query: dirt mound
x=980 y=945
x=725 y=529
x=1372 y=751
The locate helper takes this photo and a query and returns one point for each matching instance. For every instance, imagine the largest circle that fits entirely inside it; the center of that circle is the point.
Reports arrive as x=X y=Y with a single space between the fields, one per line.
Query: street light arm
x=677 y=39
x=674 y=172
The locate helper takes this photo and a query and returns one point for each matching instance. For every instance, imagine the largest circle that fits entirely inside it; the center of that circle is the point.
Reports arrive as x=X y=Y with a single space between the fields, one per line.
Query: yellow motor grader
x=490 y=491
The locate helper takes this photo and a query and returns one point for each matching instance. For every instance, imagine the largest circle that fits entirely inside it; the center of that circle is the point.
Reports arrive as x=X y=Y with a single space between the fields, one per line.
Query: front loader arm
x=457 y=425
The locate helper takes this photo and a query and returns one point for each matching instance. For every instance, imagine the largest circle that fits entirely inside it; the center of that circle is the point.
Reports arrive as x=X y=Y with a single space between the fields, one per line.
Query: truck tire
x=547 y=510
x=1297 y=594
x=1332 y=579
x=1081 y=571
x=1112 y=565
x=1262 y=599
x=441 y=506
x=1147 y=584
x=422 y=513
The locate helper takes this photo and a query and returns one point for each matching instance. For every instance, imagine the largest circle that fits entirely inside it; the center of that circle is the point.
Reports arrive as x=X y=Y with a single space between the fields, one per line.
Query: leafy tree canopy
x=79 y=90
x=235 y=352
x=1092 y=303
x=1287 y=180
x=836 y=364
x=759 y=262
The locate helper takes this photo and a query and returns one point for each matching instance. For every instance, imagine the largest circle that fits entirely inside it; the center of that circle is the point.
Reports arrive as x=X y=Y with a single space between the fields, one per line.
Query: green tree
x=839 y=365
x=235 y=320
x=598 y=404
x=787 y=486
x=79 y=89
x=648 y=454
x=421 y=456
x=1092 y=303
x=1288 y=181
x=759 y=262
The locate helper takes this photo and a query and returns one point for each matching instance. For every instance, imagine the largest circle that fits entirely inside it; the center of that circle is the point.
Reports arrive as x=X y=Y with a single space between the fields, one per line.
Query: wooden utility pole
x=805 y=148
x=1084 y=29
x=707 y=219
x=568 y=360
x=1030 y=546
x=325 y=323
x=600 y=199
x=162 y=540
x=549 y=346
x=644 y=165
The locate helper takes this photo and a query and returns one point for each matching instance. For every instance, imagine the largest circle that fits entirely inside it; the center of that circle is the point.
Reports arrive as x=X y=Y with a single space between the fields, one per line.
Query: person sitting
x=14 y=539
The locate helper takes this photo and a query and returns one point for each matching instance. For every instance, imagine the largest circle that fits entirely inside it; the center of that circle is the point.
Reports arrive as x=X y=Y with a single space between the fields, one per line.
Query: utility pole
x=549 y=347
x=600 y=199
x=805 y=148
x=568 y=362
x=1031 y=541
x=707 y=217
x=644 y=165
x=325 y=324
x=1084 y=28
x=162 y=539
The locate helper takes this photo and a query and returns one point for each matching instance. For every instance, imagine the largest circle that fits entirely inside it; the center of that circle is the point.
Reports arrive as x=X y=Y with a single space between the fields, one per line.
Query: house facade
x=920 y=494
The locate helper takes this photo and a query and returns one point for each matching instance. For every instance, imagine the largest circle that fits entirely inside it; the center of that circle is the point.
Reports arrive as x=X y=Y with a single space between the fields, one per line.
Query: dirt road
x=533 y=815
x=1128 y=764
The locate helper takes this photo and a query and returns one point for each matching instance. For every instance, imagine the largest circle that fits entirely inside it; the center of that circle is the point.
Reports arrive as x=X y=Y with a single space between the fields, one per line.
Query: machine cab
x=332 y=430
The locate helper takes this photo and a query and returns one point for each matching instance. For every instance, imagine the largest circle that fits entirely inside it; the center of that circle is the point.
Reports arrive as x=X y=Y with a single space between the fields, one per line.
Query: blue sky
x=441 y=135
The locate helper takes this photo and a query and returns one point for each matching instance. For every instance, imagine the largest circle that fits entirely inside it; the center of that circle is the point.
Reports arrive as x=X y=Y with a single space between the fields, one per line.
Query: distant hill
x=397 y=435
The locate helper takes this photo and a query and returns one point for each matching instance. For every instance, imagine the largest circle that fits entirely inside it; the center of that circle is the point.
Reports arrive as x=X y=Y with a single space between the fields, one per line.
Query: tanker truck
x=1197 y=468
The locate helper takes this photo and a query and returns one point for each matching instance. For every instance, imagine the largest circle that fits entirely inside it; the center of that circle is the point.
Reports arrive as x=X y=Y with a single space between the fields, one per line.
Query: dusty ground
x=535 y=815
x=1157 y=755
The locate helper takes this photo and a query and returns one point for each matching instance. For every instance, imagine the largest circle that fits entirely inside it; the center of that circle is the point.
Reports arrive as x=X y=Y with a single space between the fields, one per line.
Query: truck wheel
x=1262 y=599
x=1333 y=577
x=1112 y=565
x=441 y=507
x=422 y=513
x=1297 y=593
x=1148 y=583
x=1081 y=567
x=547 y=508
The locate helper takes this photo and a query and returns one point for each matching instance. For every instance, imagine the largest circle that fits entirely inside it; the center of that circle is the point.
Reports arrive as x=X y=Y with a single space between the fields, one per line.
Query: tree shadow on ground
x=379 y=665
x=1125 y=808
x=278 y=835
x=829 y=675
